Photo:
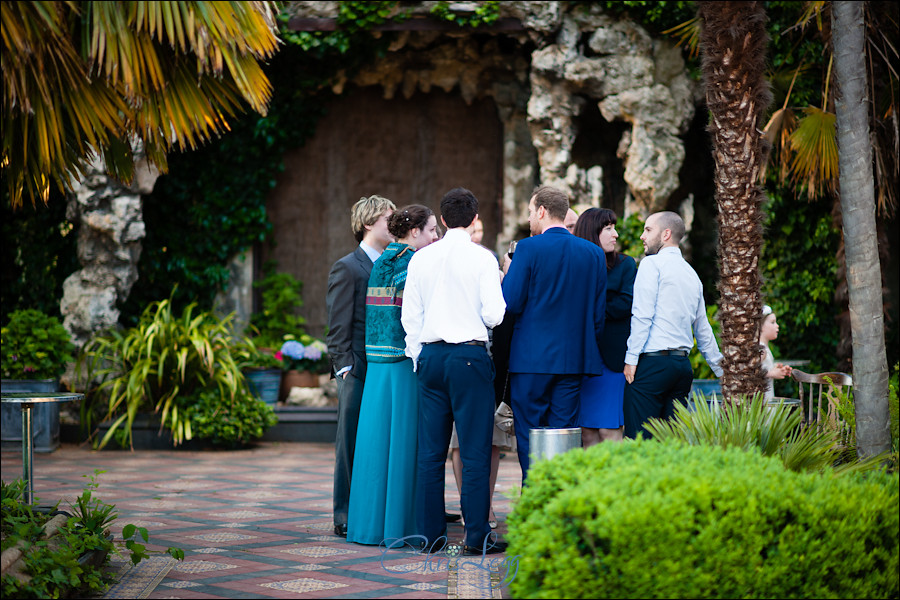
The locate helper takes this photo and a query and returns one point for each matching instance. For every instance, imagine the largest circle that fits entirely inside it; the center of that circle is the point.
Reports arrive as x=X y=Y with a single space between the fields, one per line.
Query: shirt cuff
x=342 y=371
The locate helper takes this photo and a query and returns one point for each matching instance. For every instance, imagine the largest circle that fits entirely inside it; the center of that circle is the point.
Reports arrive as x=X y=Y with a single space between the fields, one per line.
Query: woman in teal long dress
x=382 y=489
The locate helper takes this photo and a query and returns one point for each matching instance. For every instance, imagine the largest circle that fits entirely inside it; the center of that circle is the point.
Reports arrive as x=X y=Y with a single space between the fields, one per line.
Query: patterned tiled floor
x=257 y=523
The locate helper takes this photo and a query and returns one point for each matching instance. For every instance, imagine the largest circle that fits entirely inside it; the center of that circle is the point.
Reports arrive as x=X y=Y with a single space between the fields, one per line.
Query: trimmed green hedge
x=664 y=520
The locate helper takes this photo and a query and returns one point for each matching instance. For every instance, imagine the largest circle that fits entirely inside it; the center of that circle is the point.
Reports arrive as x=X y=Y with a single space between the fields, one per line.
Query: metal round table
x=26 y=401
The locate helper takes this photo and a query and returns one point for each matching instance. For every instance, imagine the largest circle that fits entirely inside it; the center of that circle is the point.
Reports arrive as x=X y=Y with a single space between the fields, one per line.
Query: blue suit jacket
x=556 y=289
x=619 y=296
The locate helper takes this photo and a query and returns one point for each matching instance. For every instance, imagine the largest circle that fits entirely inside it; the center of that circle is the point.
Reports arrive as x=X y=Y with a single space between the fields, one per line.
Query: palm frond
x=154 y=70
x=688 y=34
x=815 y=152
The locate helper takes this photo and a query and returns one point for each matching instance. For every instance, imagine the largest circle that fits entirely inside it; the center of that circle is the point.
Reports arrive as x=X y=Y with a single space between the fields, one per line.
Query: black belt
x=469 y=343
x=666 y=353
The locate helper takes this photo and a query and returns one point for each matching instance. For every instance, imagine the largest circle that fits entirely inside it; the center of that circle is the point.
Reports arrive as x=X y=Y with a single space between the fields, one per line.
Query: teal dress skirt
x=382 y=491
x=383 y=480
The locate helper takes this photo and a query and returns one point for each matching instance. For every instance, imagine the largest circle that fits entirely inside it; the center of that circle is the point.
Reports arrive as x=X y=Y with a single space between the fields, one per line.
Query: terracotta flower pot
x=293 y=378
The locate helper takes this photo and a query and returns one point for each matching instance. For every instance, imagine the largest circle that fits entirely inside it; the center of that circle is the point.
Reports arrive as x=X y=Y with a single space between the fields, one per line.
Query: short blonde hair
x=366 y=211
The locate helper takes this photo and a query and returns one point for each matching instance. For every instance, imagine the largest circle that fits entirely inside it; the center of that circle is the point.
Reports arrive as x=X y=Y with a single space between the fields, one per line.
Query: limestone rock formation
x=110 y=228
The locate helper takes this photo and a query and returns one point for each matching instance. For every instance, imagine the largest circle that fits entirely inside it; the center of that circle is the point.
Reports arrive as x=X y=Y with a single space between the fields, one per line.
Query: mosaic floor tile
x=302 y=586
x=317 y=551
x=202 y=566
x=423 y=587
x=181 y=584
x=223 y=537
x=240 y=514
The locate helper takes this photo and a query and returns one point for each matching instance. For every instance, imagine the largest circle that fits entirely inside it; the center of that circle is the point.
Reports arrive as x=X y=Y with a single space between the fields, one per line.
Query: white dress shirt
x=452 y=293
x=668 y=310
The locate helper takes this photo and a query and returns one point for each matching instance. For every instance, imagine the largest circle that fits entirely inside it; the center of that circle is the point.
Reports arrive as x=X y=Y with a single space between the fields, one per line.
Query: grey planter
x=45 y=416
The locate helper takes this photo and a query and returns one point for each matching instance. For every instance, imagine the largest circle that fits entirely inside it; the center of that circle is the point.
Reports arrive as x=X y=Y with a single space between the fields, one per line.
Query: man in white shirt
x=346 y=304
x=452 y=297
x=667 y=313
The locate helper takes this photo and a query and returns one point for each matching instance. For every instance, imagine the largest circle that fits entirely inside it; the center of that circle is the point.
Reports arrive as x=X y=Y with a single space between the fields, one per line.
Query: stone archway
x=411 y=150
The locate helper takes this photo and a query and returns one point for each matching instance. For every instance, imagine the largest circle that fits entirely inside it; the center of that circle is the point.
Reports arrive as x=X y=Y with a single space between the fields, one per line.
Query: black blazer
x=348 y=283
x=619 y=295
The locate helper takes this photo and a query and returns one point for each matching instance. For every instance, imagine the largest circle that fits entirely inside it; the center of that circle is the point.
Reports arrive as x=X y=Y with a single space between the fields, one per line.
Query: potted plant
x=302 y=361
x=261 y=369
x=147 y=368
x=34 y=351
x=281 y=297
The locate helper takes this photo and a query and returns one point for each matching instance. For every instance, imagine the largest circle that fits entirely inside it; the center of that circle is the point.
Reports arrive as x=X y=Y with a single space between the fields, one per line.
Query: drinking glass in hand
x=512 y=249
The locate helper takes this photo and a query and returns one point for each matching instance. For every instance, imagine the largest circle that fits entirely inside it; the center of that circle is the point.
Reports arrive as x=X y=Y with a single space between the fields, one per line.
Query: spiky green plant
x=150 y=365
x=773 y=430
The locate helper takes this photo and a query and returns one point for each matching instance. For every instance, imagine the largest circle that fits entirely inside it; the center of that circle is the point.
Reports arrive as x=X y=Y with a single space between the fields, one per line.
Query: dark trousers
x=541 y=400
x=659 y=382
x=350 y=391
x=456 y=382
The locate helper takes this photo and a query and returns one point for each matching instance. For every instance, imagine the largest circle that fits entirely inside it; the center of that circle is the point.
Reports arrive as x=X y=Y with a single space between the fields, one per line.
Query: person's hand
x=344 y=374
x=629 y=373
x=780 y=371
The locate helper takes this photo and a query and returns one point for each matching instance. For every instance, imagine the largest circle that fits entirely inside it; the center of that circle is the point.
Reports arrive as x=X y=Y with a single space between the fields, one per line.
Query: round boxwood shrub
x=666 y=520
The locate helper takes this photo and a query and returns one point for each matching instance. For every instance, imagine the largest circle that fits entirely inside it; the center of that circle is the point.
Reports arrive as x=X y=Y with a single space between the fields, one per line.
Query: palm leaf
x=815 y=153
x=64 y=104
x=688 y=34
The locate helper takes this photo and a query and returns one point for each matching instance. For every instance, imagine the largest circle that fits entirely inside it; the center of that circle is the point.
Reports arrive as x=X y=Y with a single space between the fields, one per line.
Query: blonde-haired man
x=346 y=304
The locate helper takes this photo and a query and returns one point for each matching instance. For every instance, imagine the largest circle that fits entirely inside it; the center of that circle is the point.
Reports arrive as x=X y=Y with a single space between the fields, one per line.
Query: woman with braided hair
x=382 y=497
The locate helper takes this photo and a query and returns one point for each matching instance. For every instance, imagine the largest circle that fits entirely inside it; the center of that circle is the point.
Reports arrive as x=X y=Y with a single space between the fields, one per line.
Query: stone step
x=303 y=424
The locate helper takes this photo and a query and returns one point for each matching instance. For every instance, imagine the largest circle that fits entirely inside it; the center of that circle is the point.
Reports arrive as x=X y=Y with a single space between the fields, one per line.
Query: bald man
x=667 y=313
x=570 y=220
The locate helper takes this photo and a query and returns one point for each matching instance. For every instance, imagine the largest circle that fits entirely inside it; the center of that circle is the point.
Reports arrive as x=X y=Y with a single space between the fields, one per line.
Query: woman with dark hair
x=600 y=414
x=382 y=498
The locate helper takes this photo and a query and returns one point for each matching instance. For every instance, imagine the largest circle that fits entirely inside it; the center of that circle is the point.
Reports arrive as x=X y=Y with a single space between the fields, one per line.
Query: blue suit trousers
x=542 y=400
x=456 y=382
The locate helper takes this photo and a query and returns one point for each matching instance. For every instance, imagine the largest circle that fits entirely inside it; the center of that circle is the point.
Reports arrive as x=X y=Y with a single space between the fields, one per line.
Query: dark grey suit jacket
x=348 y=282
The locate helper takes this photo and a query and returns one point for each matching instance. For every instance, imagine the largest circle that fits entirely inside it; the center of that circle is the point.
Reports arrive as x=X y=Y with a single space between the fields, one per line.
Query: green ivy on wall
x=211 y=205
x=798 y=269
x=485 y=13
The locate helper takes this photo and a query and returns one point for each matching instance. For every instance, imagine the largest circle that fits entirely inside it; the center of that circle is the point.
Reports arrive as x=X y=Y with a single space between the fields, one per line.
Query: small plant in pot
x=261 y=369
x=302 y=360
x=34 y=352
x=35 y=346
x=281 y=297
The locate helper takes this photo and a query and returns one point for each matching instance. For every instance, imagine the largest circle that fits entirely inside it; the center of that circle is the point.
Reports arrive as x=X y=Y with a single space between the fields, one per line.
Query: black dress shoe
x=497 y=547
x=341 y=530
x=451 y=518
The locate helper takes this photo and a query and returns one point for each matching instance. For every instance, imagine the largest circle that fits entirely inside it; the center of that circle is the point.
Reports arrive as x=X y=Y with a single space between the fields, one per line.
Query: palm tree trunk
x=733 y=44
x=870 y=370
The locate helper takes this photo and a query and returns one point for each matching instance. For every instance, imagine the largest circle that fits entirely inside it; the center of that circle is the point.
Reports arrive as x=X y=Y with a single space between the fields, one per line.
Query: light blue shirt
x=371 y=252
x=668 y=311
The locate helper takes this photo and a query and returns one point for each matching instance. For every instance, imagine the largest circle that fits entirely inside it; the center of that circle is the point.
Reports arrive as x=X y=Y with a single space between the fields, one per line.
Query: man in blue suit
x=556 y=290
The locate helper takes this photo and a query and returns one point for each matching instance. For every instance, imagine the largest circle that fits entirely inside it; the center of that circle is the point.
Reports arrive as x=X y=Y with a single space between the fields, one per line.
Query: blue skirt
x=383 y=480
x=601 y=401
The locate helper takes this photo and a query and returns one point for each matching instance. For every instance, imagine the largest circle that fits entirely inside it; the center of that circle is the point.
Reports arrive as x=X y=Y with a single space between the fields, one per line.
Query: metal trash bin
x=547 y=442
